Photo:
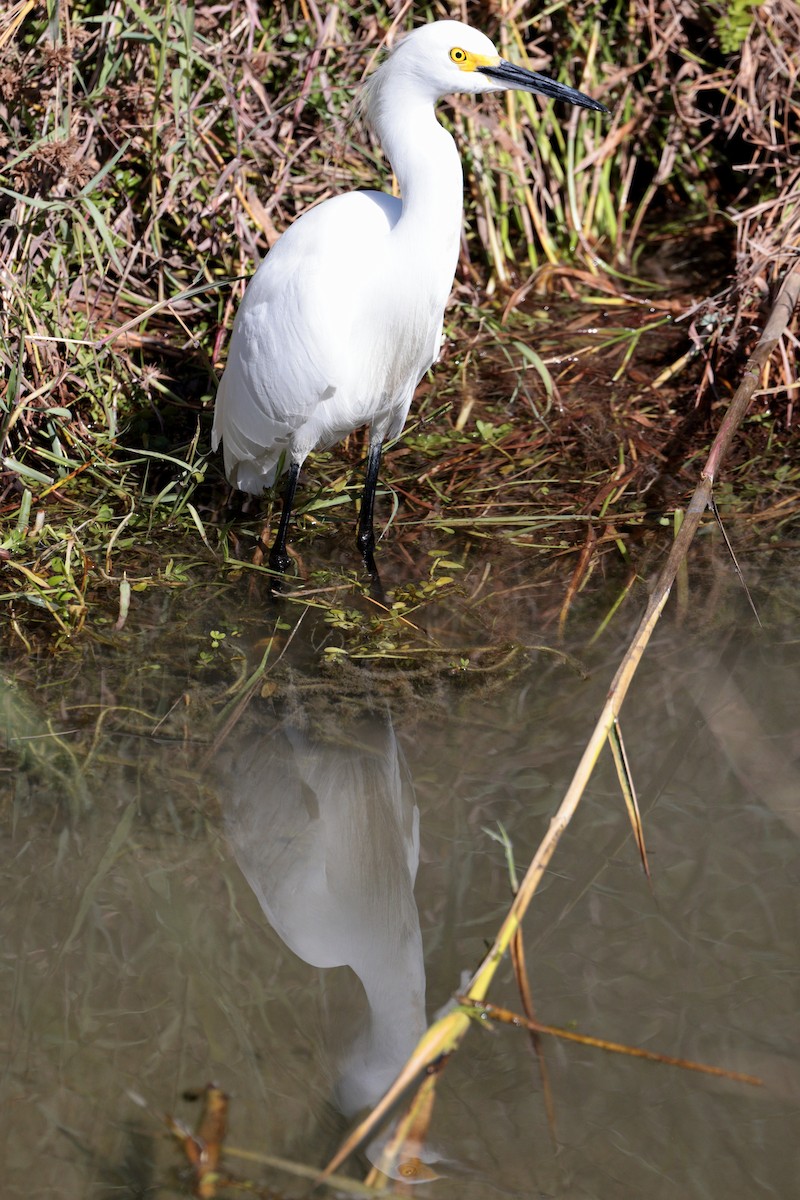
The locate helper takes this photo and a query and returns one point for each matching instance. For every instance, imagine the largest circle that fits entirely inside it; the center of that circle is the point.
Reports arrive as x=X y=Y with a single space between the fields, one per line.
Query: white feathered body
x=344 y=316
x=321 y=345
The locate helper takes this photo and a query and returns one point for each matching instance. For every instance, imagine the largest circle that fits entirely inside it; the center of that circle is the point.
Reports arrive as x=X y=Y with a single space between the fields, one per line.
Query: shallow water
x=284 y=913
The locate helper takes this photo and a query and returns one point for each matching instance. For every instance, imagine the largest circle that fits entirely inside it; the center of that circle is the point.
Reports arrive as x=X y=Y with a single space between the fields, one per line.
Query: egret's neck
x=426 y=163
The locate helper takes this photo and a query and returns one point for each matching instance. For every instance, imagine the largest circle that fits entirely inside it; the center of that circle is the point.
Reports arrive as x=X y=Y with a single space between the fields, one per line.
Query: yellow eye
x=458 y=55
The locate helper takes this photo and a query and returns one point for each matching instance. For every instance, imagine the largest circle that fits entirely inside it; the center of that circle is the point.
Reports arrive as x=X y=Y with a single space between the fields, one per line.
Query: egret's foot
x=365 y=540
x=279 y=562
x=366 y=545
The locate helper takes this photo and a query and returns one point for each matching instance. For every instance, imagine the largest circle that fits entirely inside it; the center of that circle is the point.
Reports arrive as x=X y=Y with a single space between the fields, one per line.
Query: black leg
x=278 y=558
x=365 y=539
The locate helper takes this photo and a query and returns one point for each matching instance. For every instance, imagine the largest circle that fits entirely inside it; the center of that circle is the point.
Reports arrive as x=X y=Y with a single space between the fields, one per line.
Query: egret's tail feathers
x=251 y=468
x=249 y=477
x=256 y=449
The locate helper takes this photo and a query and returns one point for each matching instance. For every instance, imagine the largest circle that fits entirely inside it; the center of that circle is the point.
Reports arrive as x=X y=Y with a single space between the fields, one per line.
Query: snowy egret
x=345 y=314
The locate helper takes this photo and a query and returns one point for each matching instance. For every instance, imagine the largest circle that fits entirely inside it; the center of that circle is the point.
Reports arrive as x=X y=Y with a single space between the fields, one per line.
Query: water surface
x=283 y=913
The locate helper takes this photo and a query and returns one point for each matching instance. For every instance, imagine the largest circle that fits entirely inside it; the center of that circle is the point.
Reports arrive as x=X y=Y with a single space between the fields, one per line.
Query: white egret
x=344 y=316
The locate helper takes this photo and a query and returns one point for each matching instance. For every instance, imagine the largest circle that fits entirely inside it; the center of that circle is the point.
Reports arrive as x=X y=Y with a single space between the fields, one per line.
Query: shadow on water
x=285 y=908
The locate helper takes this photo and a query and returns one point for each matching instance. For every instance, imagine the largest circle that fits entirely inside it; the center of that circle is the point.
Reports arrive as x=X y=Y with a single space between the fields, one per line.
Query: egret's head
x=449 y=56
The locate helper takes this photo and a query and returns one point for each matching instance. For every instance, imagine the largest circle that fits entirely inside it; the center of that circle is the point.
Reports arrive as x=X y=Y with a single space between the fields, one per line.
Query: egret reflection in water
x=327 y=836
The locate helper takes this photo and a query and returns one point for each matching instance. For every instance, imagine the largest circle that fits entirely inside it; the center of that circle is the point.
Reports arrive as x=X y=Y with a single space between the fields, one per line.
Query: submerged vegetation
x=150 y=161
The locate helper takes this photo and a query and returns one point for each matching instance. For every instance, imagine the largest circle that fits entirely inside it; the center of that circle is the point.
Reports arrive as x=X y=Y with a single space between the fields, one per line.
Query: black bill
x=523 y=80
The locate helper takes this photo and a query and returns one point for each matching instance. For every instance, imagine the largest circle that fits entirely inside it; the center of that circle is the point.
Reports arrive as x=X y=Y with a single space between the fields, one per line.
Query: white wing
x=300 y=341
x=337 y=327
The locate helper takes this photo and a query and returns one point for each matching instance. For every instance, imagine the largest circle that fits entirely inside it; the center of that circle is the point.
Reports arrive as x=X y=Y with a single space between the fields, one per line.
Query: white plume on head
x=422 y=59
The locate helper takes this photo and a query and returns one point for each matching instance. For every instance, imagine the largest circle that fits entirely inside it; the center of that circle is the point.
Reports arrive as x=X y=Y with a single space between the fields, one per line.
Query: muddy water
x=284 y=914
